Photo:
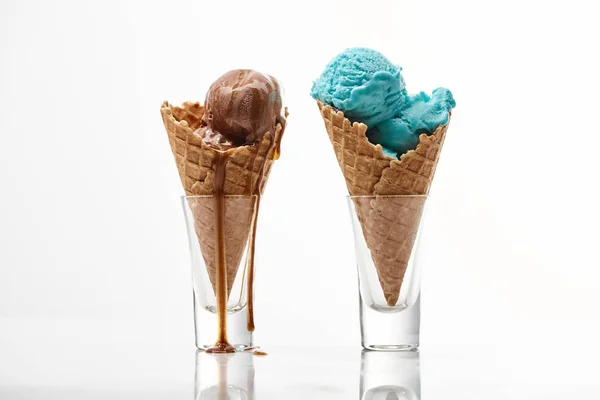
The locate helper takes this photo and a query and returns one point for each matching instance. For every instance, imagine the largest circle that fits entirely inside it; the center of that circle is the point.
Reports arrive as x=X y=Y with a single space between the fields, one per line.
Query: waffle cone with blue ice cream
x=387 y=143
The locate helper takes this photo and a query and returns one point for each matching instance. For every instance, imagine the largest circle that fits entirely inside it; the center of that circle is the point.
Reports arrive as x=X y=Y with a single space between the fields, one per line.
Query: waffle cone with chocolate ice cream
x=246 y=172
x=389 y=224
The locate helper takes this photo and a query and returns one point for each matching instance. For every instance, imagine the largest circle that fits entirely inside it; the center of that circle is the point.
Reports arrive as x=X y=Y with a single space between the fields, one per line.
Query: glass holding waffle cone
x=237 y=251
x=386 y=236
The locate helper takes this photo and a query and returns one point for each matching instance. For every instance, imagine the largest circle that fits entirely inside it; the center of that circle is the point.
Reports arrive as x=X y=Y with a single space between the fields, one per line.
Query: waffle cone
x=389 y=224
x=245 y=166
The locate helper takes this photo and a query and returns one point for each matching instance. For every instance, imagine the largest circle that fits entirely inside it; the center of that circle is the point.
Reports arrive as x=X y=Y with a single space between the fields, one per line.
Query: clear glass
x=200 y=221
x=224 y=376
x=390 y=375
x=386 y=236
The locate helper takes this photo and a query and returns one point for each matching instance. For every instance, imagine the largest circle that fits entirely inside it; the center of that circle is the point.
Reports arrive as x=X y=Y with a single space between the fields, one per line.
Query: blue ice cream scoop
x=362 y=83
x=368 y=88
x=425 y=113
x=419 y=114
x=395 y=137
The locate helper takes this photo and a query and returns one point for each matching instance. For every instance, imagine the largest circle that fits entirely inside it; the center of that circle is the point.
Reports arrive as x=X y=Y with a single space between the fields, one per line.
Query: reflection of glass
x=239 y=266
x=390 y=376
x=386 y=239
x=224 y=376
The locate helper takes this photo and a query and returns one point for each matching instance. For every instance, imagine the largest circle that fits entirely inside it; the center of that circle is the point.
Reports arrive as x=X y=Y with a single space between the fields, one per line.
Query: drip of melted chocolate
x=240 y=108
x=222 y=345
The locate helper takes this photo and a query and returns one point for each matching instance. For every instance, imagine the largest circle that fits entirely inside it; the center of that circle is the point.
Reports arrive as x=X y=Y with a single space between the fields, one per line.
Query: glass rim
x=401 y=196
x=227 y=196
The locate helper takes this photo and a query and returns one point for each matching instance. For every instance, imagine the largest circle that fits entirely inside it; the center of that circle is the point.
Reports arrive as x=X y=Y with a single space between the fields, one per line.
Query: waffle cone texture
x=246 y=165
x=389 y=224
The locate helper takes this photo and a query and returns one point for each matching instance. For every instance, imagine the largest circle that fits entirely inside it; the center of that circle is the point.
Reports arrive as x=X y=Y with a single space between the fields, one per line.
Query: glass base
x=392 y=331
x=238 y=347
x=206 y=326
x=390 y=347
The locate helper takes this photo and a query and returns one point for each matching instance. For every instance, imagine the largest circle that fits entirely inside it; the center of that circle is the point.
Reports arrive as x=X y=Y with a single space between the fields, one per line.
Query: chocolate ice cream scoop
x=240 y=107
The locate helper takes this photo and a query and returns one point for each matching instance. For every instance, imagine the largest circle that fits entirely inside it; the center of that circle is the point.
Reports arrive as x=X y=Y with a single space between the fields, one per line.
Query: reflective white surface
x=94 y=360
x=95 y=294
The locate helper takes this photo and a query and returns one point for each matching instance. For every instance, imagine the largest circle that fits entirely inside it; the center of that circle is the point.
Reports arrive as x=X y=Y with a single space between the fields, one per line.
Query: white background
x=91 y=230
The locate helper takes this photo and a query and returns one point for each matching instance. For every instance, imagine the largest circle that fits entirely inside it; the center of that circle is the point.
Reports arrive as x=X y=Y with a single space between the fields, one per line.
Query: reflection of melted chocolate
x=235 y=376
x=222 y=379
